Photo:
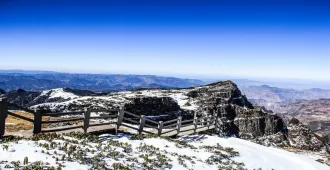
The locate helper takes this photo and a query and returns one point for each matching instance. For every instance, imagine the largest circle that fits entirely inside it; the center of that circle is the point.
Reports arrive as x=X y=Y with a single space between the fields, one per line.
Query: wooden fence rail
x=119 y=117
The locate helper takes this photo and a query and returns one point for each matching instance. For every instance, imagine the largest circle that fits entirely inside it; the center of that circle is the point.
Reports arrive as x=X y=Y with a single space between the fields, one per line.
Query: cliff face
x=243 y=119
x=301 y=137
x=297 y=136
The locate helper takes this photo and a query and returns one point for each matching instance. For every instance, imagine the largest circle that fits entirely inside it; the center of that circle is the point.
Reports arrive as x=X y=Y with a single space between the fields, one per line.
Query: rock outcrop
x=296 y=136
x=157 y=108
x=301 y=137
x=242 y=119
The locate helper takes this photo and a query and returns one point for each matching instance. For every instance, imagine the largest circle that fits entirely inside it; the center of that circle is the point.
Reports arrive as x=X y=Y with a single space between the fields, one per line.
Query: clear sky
x=200 y=39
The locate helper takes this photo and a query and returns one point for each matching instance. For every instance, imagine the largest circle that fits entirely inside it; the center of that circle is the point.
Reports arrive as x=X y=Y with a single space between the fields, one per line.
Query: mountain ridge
x=93 y=82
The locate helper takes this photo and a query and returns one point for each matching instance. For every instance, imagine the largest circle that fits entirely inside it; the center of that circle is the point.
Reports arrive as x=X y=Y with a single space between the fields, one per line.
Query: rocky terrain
x=224 y=99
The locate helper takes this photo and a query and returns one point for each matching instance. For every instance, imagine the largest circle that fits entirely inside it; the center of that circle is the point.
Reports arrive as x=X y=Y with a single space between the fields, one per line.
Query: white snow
x=59 y=93
x=257 y=156
x=254 y=156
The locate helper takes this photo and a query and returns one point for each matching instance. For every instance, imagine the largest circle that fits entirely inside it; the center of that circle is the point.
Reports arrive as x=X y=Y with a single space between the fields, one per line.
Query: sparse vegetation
x=95 y=152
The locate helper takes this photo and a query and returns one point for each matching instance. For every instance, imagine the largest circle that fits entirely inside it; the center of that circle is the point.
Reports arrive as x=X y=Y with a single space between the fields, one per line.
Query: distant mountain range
x=269 y=95
x=39 y=80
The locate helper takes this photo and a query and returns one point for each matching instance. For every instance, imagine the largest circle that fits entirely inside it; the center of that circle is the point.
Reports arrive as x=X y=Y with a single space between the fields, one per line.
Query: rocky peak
x=302 y=137
x=296 y=136
x=294 y=122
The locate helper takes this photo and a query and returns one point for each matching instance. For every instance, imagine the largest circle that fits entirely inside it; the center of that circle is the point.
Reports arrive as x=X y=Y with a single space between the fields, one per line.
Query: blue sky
x=199 y=39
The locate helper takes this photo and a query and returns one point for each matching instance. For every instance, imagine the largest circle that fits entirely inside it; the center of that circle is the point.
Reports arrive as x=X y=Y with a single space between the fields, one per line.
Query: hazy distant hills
x=272 y=95
x=37 y=81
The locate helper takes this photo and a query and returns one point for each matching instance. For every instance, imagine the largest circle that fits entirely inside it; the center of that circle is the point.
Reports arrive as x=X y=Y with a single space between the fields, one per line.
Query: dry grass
x=14 y=124
x=290 y=149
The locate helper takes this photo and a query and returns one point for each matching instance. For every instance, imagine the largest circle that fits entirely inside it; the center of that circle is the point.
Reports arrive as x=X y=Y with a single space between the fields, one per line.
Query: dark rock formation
x=297 y=136
x=303 y=138
x=225 y=100
x=157 y=108
x=21 y=97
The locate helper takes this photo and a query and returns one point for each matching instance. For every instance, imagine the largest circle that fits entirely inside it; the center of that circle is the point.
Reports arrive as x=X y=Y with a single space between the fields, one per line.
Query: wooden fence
x=119 y=117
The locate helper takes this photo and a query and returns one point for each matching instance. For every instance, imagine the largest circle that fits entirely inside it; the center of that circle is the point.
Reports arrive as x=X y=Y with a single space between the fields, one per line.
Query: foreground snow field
x=121 y=151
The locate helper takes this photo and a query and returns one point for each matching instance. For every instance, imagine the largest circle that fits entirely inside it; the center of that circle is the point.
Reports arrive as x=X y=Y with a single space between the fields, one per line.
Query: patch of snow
x=55 y=93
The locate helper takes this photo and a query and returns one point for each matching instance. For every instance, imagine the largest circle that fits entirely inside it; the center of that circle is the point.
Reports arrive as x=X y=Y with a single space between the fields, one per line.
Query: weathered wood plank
x=131 y=120
x=63 y=113
x=150 y=126
x=61 y=129
x=101 y=124
x=151 y=121
x=61 y=121
x=171 y=121
x=20 y=117
x=104 y=117
x=126 y=125
x=166 y=132
x=37 y=122
x=179 y=124
x=121 y=115
x=186 y=121
x=186 y=125
x=106 y=110
x=132 y=114
x=142 y=123
x=160 y=127
x=87 y=116
x=3 y=115
x=169 y=126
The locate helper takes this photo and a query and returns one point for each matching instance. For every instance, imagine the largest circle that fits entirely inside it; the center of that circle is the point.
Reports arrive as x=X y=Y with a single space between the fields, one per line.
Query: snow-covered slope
x=192 y=152
x=58 y=93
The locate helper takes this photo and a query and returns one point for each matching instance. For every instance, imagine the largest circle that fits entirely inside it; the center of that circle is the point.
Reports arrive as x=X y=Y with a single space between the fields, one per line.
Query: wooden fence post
x=178 y=125
x=208 y=121
x=87 y=116
x=160 y=127
x=216 y=125
x=142 y=123
x=195 y=122
x=3 y=115
x=37 y=122
x=121 y=114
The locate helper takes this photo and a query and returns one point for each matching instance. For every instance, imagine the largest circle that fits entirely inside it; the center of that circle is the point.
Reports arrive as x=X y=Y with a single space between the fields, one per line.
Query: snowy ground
x=111 y=152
